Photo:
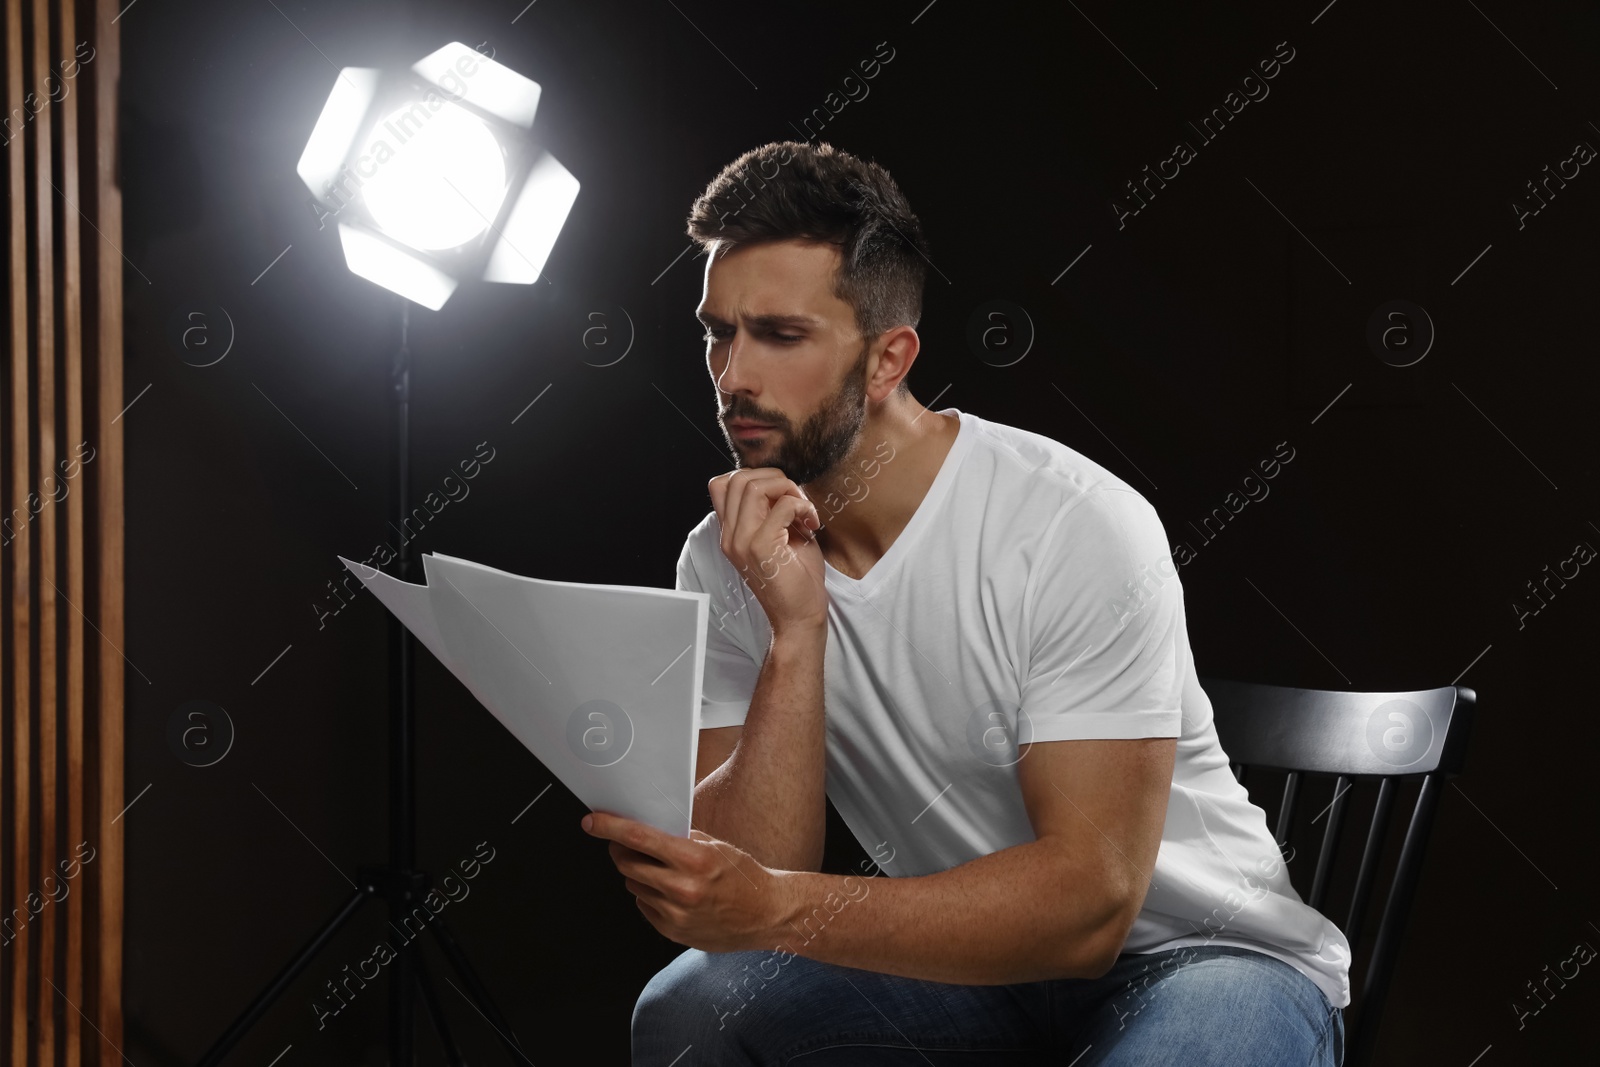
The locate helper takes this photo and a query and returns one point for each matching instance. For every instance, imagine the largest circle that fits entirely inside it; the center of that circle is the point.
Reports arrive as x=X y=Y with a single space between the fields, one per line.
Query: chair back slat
x=1330 y=840
x=1291 y=789
x=1370 y=855
x=1395 y=911
x=1352 y=736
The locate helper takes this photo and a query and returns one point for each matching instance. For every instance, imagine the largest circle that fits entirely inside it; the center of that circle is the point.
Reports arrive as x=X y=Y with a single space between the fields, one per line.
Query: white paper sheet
x=600 y=682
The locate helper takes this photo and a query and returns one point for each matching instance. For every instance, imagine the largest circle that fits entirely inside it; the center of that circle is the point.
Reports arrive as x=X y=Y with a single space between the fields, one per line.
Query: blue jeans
x=1194 y=1007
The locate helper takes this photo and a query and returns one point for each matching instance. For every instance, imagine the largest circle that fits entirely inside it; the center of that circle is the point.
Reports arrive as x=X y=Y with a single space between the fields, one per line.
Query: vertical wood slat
x=63 y=353
x=44 y=983
x=21 y=544
x=72 y=514
x=109 y=580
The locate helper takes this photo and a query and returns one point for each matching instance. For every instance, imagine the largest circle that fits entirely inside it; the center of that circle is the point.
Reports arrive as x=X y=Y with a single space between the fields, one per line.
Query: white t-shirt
x=1032 y=597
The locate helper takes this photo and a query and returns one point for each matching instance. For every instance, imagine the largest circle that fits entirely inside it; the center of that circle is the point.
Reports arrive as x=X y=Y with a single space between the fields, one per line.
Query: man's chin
x=753 y=454
x=747 y=446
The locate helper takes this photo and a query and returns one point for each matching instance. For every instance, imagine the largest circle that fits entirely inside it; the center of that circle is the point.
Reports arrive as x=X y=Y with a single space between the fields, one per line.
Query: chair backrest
x=1354 y=737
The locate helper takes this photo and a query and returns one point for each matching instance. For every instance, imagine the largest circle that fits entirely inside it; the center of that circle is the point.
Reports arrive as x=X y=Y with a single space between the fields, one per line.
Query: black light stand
x=398 y=882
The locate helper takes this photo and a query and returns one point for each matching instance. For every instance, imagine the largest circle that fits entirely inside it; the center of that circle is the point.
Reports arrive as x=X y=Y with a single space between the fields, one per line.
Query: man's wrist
x=789 y=889
x=800 y=636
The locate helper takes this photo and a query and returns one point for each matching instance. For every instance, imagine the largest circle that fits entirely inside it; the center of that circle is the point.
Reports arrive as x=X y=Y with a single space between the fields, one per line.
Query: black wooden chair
x=1289 y=735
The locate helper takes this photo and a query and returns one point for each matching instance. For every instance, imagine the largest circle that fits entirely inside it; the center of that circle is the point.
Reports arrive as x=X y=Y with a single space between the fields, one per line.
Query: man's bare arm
x=1060 y=906
x=769 y=795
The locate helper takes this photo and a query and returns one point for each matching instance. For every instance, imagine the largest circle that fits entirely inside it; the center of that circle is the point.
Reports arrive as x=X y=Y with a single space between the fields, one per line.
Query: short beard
x=827 y=438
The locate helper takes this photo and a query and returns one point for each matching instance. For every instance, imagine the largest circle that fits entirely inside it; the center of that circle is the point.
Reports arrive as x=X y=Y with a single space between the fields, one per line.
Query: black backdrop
x=1183 y=344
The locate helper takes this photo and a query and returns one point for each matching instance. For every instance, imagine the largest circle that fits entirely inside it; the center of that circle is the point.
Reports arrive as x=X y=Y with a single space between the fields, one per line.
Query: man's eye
x=786 y=338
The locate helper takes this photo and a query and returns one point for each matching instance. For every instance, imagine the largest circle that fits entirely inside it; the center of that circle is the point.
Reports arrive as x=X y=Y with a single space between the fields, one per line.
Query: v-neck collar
x=902 y=545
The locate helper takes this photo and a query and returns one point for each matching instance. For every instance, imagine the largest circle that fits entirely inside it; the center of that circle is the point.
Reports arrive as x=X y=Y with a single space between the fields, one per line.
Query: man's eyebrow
x=811 y=321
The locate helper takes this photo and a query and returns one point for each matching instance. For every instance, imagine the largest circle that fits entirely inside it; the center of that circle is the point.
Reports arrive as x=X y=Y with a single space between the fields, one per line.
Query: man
x=971 y=638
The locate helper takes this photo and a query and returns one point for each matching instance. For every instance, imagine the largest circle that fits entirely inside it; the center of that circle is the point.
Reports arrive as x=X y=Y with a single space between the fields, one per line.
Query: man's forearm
x=769 y=797
x=1022 y=914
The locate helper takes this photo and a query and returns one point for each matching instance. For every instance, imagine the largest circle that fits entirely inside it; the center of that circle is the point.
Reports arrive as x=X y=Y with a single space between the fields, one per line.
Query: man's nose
x=732 y=377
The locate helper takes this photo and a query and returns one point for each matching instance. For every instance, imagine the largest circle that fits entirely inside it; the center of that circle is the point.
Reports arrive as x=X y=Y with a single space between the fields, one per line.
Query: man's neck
x=876 y=490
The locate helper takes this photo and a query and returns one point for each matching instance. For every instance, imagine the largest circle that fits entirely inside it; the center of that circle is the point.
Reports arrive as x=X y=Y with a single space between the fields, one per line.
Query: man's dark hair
x=794 y=190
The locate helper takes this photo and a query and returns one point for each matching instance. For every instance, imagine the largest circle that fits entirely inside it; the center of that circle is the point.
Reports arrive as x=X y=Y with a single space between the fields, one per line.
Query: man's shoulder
x=1031 y=474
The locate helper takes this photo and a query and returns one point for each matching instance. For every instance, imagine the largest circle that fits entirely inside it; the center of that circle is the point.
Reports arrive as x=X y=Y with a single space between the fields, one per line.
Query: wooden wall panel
x=61 y=539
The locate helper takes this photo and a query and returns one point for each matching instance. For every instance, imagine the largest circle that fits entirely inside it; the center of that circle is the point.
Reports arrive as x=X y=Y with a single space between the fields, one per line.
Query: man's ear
x=901 y=346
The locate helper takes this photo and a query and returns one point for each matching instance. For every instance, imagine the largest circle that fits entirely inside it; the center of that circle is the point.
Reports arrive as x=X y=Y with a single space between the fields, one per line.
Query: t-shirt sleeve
x=1105 y=625
x=730 y=671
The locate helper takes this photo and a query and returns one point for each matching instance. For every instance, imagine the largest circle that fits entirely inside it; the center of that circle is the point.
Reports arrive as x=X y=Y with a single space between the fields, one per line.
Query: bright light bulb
x=438 y=175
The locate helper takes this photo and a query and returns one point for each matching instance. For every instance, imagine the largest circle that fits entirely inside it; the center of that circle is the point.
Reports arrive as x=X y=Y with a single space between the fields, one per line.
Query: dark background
x=1178 y=351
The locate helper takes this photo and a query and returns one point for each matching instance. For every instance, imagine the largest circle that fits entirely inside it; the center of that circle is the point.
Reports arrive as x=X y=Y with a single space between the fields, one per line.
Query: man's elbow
x=1102 y=957
x=1097 y=952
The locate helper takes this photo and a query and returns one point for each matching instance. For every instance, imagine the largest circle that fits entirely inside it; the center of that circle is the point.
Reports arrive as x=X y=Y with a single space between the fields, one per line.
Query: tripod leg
x=436 y=1013
x=265 y=998
x=402 y=982
x=484 y=1004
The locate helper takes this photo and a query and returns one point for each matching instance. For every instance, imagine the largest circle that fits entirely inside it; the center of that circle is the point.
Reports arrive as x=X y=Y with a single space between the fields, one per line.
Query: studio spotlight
x=433 y=176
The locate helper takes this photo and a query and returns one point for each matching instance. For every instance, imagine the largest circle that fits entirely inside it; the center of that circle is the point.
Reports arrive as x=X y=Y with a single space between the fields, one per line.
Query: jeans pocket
x=1332 y=1039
